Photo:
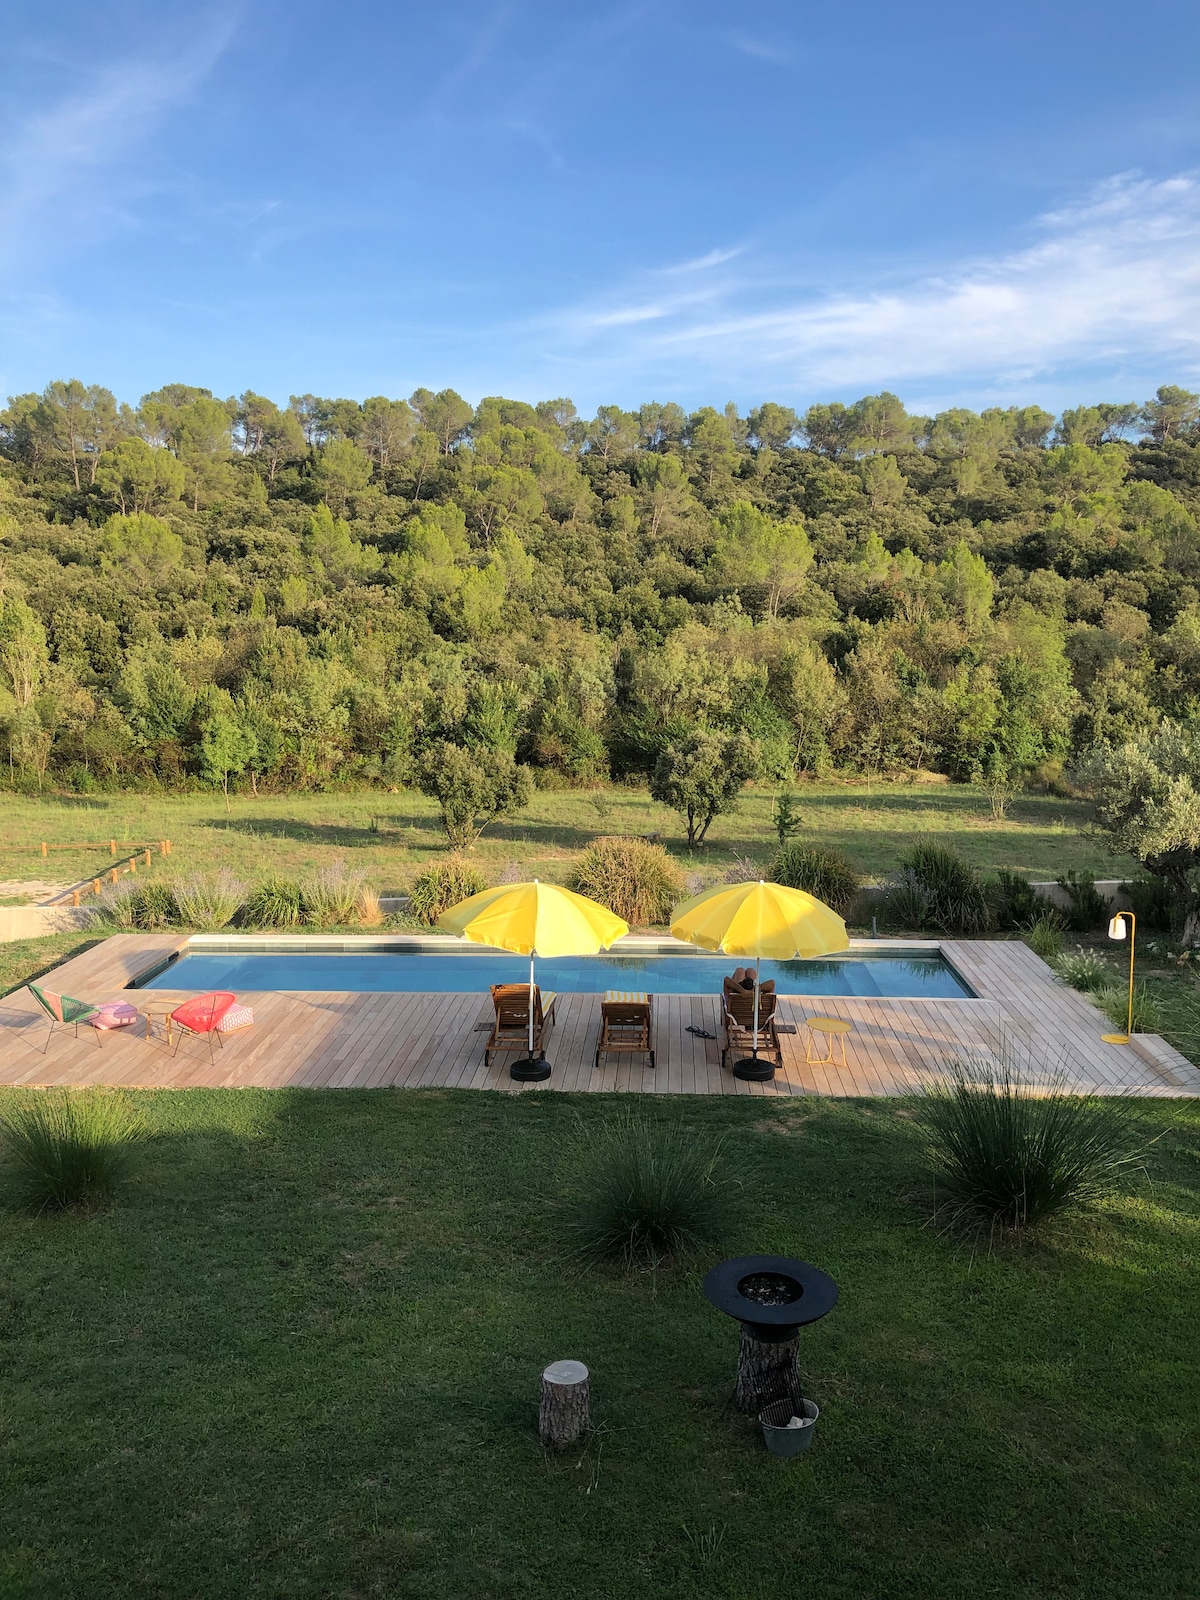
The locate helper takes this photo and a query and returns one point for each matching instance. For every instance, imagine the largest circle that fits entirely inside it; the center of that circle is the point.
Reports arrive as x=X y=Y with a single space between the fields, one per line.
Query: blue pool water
x=915 y=975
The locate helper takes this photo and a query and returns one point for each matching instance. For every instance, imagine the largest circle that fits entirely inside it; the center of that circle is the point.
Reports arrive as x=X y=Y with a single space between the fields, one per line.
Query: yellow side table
x=835 y=1031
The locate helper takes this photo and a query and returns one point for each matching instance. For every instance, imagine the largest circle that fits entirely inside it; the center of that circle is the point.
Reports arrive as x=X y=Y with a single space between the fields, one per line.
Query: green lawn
x=23 y=959
x=300 y=1359
x=390 y=837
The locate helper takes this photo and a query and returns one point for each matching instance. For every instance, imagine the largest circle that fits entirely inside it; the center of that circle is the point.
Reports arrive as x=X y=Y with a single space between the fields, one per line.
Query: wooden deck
x=333 y=1040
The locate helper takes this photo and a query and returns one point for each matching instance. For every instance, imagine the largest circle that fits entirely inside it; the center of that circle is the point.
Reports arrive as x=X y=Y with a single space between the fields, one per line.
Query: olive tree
x=1147 y=798
x=473 y=786
x=701 y=775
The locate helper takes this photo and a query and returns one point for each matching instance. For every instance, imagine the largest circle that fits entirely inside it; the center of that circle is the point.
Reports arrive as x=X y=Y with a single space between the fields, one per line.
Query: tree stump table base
x=767 y=1371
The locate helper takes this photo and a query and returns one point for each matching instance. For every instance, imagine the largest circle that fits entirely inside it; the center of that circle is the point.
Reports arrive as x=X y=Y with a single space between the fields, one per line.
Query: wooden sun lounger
x=510 y=1030
x=737 y=1025
x=625 y=1025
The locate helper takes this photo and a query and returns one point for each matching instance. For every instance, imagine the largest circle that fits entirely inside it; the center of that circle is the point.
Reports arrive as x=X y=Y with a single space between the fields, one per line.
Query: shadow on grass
x=532 y=830
x=78 y=802
x=392 y=831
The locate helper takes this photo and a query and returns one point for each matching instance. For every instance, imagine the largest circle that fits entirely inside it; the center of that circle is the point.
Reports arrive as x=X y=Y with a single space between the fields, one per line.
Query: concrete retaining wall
x=35 y=922
x=1109 y=889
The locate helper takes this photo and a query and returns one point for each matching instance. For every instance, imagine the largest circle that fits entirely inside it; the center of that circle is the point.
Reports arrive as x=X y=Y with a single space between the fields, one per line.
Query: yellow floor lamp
x=1117 y=930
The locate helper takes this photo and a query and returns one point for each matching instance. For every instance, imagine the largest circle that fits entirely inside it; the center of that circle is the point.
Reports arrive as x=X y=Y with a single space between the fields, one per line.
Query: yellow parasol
x=534 y=919
x=760 y=919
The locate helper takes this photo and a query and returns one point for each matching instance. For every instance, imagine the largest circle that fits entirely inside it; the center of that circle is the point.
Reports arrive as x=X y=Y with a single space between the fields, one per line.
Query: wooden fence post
x=112 y=847
x=45 y=852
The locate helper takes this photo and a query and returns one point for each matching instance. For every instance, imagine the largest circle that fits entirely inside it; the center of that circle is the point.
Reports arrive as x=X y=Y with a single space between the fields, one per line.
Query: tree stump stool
x=566 y=1408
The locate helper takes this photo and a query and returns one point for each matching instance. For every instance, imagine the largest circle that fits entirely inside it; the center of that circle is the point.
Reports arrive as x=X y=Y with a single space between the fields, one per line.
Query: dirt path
x=34 y=890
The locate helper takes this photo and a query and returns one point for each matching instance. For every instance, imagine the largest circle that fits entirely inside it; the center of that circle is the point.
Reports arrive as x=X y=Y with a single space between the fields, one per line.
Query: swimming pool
x=915 y=974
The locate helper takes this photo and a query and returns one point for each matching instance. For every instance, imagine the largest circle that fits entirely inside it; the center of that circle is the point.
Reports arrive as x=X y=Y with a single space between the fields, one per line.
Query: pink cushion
x=235 y=1017
x=114 y=1014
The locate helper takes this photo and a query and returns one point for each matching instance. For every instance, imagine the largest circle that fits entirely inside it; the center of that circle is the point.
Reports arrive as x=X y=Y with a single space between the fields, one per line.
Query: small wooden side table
x=158 y=1015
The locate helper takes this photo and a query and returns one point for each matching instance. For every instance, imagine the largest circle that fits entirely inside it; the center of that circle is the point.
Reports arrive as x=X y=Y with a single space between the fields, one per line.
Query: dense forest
x=204 y=591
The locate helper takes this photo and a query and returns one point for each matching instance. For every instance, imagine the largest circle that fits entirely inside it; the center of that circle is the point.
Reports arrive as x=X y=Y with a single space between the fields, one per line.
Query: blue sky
x=617 y=202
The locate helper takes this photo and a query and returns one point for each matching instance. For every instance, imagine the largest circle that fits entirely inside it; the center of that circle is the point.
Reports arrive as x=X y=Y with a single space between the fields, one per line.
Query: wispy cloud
x=1110 y=281
x=656 y=300
x=77 y=148
x=483 y=41
x=714 y=258
x=760 y=49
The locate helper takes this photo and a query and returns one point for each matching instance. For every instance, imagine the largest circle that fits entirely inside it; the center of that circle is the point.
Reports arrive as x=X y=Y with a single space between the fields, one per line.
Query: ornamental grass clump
x=274 y=902
x=955 y=900
x=1086 y=907
x=331 y=896
x=744 y=869
x=136 y=906
x=1084 y=970
x=906 y=902
x=66 y=1149
x=644 y=1191
x=209 y=901
x=1010 y=1146
x=443 y=884
x=370 y=912
x=632 y=877
x=1113 y=1000
x=1044 y=937
x=825 y=874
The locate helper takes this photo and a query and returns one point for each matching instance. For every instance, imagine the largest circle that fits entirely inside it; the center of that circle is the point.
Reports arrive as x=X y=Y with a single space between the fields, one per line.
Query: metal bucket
x=785 y=1432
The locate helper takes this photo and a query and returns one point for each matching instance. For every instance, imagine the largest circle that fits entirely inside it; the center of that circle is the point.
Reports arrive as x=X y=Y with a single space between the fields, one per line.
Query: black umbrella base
x=530 y=1069
x=753 y=1069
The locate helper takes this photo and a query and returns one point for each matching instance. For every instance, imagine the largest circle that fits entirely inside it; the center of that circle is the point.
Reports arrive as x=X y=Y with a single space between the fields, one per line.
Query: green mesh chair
x=63 y=1012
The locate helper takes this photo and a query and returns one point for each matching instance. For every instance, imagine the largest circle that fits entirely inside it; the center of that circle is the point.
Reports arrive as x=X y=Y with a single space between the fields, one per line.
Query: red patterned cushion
x=235 y=1017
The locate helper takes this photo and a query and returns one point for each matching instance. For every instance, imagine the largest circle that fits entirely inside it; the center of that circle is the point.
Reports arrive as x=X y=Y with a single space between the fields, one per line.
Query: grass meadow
x=390 y=837
x=298 y=1357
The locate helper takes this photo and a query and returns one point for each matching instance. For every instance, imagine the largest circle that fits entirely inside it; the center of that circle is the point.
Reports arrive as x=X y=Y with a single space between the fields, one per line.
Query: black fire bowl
x=771 y=1296
x=530 y=1069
